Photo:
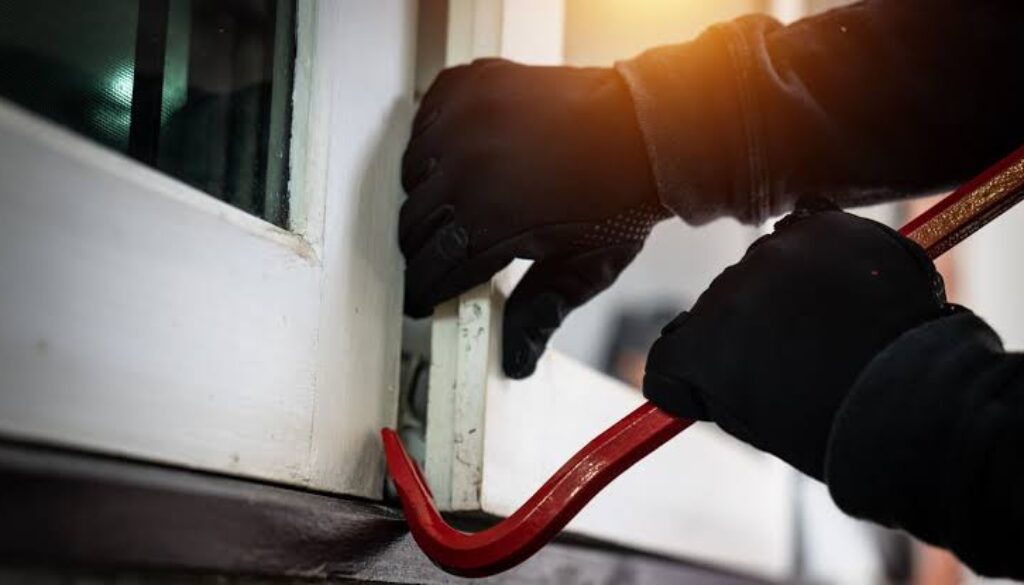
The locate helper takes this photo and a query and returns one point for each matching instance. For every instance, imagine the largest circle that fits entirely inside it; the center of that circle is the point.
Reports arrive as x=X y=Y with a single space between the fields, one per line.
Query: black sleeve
x=878 y=100
x=931 y=440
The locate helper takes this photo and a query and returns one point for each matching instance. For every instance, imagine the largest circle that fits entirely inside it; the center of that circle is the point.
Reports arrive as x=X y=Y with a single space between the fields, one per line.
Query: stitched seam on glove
x=757 y=169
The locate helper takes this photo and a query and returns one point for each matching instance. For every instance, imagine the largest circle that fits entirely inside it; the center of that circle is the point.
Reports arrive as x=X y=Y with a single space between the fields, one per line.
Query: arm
x=931 y=439
x=831 y=345
x=882 y=99
x=879 y=100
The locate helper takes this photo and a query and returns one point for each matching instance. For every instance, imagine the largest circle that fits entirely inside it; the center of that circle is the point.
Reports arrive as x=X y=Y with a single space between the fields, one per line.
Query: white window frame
x=141 y=317
x=491 y=441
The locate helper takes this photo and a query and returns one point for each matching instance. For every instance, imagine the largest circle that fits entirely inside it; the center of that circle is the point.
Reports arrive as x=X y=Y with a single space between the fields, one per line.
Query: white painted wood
x=359 y=342
x=454 y=449
x=439 y=457
x=141 y=317
x=491 y=441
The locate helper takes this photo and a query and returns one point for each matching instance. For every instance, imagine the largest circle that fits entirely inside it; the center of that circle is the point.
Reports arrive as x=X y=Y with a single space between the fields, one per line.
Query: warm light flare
x=599 y=32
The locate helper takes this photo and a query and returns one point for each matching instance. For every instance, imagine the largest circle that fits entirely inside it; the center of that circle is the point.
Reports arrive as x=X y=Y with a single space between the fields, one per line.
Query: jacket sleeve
x=931 y=440
x=878 y=100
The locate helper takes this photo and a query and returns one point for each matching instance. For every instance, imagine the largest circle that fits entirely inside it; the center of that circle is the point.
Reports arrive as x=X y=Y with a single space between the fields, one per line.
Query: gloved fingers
x=424 y=119
x=663 y=385
x=433 y=101
x=423 y=212
x=674 y=396
x=412 y=239
x=466 y=275
x=442 y=269
x=445 y=249
x=429 y=188
x=683 y=399
x=422 y=152
x=445 y=88
x=426 y=150
x=437 y=248
x=420 y=162
x=549 y=291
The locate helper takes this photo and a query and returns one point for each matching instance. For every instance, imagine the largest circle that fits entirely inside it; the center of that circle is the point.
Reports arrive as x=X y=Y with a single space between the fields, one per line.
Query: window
x=143 y=318
x=200 y=90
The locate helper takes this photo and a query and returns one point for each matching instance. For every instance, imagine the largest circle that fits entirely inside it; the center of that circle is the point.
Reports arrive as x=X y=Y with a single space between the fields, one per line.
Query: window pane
x=200 y=89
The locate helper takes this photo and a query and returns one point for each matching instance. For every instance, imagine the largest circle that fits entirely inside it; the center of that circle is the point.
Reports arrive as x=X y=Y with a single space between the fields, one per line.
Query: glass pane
x=200 y=89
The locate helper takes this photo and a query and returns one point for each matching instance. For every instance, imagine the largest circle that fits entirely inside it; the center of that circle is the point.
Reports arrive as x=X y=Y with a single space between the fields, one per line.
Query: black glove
x=771 y=349
x=544 y=163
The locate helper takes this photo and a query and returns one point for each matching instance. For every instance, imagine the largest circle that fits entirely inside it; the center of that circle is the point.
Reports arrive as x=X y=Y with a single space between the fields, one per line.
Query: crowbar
x=535 y=523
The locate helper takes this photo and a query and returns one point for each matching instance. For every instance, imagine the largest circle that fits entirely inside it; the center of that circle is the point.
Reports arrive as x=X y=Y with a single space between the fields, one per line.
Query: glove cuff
x=893 y=453
x=695 y=112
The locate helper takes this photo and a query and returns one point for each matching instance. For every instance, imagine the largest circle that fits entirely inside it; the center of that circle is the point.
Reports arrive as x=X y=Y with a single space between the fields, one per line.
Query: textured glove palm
x=771 y=349
x=507 y=161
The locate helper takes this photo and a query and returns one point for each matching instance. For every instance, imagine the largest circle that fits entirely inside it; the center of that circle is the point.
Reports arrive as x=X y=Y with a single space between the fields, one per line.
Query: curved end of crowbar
x=516 y=538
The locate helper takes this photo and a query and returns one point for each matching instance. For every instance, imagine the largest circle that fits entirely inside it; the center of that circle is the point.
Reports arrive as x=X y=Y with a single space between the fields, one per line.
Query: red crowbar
x=516 y=538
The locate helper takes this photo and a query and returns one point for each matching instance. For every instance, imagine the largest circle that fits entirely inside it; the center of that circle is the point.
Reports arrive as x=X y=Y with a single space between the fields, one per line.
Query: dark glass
x=200 y=89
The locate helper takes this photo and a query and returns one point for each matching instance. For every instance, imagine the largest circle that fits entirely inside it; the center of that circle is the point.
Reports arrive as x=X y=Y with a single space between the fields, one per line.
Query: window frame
x=144 y=318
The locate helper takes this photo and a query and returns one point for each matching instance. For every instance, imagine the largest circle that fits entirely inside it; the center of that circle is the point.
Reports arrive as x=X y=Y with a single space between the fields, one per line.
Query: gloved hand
x=771 y=348
x=544 y=163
